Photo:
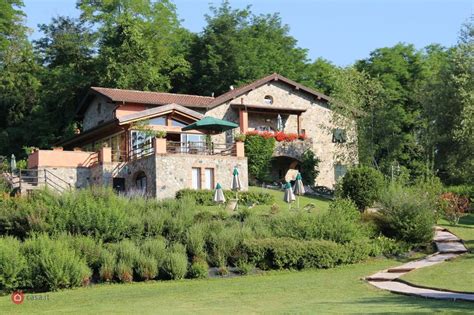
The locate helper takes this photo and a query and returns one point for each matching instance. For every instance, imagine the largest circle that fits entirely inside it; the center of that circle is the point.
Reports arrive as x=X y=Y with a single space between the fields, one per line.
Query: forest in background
x=414 y=107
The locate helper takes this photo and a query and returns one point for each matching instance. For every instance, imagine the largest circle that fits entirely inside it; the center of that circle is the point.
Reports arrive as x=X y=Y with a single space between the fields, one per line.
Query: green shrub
x=199 y=269
x=259 y=151
x=362 y=185
x=53 y=265
x=12 y=264
x=287 y=253
x=383 y=245
x=125 y=251
x=309 y=167
x=155 y=248
x=195 y=240
x=124 y=271
x=205 y=197
x=107 y=266
x=88 y=248
x=408 y=214
x=147 y=268
x=244 y=267
x=341 y=223
x=175 y=265
x=221 y=242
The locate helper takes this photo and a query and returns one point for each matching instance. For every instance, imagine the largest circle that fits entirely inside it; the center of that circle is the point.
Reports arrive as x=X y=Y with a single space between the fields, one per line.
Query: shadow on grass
x=413 y=302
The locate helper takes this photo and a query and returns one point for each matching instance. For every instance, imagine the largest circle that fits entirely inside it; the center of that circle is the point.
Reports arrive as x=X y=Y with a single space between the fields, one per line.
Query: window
x=140 y=182
x=192 y=142
x=229 y=136
x=196 y=178
x=264 y=128
x=177 y=123
x=99 y=108
x=158 y=121
x=339 y=171
x=339 y=136
x=268 y=99
x=140 y=143
x=209 y=177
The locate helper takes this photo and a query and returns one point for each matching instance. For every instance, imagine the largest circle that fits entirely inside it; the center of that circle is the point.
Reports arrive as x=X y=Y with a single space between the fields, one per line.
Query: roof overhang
x=101 y=131
x=269 y=109
x=160 y=111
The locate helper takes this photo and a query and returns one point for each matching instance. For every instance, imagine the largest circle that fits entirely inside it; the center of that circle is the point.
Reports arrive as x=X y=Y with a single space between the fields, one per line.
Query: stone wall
x=92 y=116
x=174 y=172
x=77 y=177
x=317 y=122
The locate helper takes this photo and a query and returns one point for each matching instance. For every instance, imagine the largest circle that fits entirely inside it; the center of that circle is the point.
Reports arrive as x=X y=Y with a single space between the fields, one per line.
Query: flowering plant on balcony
x=240 y=137
x=279 y=136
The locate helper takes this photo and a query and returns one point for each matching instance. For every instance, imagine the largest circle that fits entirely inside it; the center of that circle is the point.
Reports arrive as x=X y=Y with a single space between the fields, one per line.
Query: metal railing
x=204 y=148
x=31 y=179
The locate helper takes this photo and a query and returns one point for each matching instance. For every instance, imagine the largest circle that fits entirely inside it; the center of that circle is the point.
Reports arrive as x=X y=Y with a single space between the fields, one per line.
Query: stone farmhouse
x=115 y=146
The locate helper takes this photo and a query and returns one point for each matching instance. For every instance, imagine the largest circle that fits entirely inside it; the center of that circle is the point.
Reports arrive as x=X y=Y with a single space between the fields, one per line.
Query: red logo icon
x=17 y=297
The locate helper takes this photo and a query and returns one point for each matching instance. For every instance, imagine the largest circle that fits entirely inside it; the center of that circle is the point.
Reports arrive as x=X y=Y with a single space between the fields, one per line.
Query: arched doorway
x=140 y=181
x=280 y=166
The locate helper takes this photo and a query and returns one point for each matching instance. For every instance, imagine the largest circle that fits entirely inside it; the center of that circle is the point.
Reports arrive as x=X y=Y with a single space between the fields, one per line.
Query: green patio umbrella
x=299 y=188
x=211 y=125
x=219 y=194
x=236 y=186
x=289 y=197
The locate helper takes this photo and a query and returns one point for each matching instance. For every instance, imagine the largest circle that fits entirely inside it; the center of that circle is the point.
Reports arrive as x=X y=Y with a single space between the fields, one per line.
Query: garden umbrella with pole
x=289 y=197
x=219 y=194
x=279 y=123
x=236 y=186
x=299 y=189
x=13 y=163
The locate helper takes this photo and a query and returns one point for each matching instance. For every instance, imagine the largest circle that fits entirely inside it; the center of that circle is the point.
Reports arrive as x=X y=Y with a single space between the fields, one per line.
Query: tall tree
x=237 y=47
x=66 y=53
x=18 y=82
x=139 y=43
x=397 y=123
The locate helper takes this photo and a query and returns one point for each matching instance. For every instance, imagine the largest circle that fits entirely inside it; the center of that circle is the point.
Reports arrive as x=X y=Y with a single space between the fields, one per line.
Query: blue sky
x=341 y=31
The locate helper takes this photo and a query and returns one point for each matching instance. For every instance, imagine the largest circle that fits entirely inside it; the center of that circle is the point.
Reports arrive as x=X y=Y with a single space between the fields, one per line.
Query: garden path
x=449 y=246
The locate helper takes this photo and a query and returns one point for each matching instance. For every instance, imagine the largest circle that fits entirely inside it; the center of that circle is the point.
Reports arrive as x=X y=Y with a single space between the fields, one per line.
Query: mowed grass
x=320 y=204
x=457 y=274
x=338 y=290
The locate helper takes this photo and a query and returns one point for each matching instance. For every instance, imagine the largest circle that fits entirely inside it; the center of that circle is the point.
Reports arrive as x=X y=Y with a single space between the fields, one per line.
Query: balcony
x=160 y=146
x=293 y=149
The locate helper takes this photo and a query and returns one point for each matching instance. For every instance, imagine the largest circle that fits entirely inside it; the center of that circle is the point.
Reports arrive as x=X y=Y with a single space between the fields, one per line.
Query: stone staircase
x=24 y=182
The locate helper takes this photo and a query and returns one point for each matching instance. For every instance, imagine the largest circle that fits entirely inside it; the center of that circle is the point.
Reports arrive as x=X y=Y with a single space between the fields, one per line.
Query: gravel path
x=449 y=246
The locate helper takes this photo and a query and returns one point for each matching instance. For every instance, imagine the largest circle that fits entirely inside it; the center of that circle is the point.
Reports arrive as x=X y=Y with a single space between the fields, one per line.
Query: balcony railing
x=203 y=148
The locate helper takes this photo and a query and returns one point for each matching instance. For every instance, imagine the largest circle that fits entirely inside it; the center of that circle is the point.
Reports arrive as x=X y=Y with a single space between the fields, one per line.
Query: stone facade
x=98 y=112
x=317 y=121
x=174 y=172
x=60 y=177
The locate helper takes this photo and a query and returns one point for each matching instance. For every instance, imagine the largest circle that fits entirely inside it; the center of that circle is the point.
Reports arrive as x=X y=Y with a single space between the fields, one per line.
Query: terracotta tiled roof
x=153 y=98
x=232 y=94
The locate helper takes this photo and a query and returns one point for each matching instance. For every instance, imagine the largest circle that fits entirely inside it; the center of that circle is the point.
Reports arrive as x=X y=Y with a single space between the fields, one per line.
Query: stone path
x=449 y=246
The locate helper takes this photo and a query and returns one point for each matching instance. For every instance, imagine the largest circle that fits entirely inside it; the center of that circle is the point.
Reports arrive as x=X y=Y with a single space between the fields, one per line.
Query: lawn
x=320 y=204
x=337 y=290
x=457 y=274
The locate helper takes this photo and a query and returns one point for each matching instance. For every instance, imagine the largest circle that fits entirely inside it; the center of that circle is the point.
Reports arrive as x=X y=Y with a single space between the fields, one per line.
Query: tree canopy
x=413 y=108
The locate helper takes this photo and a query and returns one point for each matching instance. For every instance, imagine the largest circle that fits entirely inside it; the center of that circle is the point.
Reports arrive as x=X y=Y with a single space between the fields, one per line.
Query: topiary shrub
x=53 y=265
x=107 y=266
x=155 y=248
x=362 y=185
x=124 y=271
x=12 y=264
x=408 y=215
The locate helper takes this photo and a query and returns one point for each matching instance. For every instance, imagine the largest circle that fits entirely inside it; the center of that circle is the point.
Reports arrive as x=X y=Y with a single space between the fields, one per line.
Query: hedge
x=204 y=197
x=287 y=253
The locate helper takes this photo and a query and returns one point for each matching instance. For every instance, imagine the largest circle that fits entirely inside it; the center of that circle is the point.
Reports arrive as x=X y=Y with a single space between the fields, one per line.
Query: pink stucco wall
x=58 y=158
